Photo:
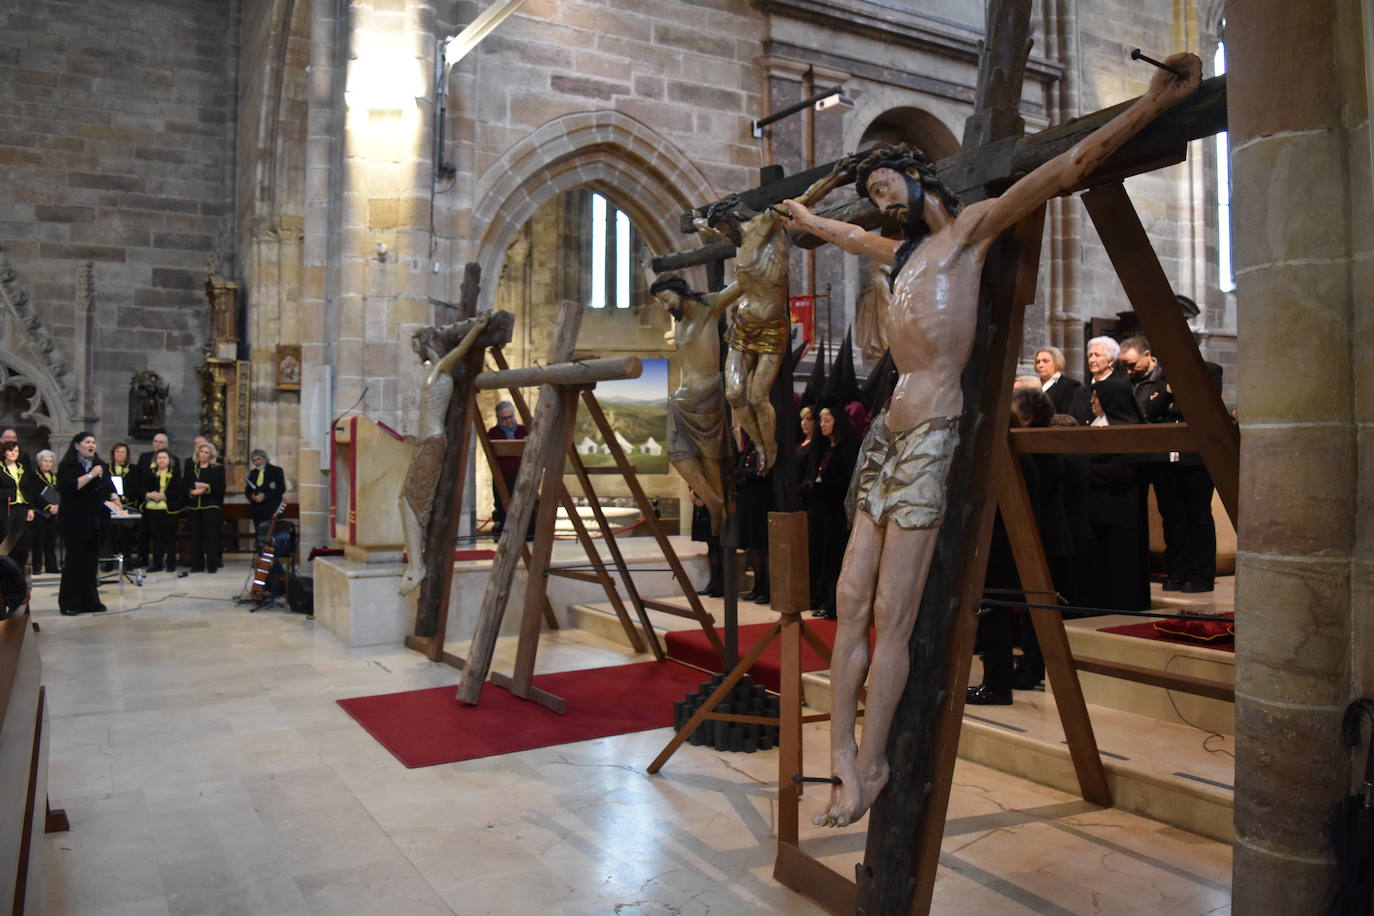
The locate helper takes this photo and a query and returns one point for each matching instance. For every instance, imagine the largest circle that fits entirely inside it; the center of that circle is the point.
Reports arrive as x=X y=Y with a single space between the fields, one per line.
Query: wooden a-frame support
x=539 y=491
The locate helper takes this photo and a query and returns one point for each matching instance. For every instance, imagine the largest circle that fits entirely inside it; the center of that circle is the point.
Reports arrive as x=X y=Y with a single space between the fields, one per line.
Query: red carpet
x=1148 y=631
x=692 y=647
x=428 y=727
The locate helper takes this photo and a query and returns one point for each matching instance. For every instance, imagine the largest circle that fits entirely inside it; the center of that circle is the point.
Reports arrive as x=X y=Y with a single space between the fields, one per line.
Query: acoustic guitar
x=262 y=565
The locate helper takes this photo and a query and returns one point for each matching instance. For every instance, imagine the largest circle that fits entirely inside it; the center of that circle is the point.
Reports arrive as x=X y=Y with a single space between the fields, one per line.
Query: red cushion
x=1220 y=629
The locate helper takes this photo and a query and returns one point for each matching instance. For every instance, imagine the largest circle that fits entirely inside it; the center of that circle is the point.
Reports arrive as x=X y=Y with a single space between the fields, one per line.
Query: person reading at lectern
x=936 y=277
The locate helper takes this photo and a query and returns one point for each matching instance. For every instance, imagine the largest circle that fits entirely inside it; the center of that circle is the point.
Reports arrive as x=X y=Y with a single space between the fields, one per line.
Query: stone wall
x=117 y=148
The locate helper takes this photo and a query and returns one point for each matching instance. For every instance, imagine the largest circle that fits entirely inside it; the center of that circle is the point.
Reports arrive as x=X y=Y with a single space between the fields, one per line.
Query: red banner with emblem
x=802 y=310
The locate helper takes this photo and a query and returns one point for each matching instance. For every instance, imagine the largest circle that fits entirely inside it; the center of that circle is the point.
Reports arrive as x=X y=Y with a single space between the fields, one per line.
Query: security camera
x=836 y=102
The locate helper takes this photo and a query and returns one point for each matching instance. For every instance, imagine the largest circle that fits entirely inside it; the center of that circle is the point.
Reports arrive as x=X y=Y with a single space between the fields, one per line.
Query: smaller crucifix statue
x=759 y=332
x=440 y=350
x=698 y=442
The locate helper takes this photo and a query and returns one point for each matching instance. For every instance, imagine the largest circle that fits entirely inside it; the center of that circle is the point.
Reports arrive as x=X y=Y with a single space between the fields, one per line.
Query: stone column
x=1299 y=155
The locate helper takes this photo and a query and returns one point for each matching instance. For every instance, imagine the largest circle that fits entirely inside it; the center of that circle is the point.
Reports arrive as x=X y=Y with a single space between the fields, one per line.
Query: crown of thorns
x=730 y=209
x=903 y=158
x=675 y=284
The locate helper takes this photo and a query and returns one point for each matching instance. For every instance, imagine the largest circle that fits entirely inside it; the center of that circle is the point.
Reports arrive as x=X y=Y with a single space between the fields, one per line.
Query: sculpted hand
x=795 y=211
x=1168 y=88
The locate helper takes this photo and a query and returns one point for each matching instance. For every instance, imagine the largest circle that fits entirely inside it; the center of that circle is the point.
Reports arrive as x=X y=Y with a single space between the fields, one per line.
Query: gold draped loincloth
x=696 y=422
x=760 y=336
x=901 y=477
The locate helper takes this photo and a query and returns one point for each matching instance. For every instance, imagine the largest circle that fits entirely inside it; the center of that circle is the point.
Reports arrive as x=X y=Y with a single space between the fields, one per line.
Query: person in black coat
x=203 y=483
x=1058 y=387
x=145 y=461
x=753 y=502
x=1117 y=509
x=265 y=487
x=43 y=531
x=1184 y=490
x=1102 y=356
x=84 y=487
x=830 y=465
x=19 y=498
x=163 y=496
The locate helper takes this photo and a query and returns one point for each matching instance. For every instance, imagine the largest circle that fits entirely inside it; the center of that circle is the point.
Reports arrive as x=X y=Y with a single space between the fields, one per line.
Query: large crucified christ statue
x=936 y=277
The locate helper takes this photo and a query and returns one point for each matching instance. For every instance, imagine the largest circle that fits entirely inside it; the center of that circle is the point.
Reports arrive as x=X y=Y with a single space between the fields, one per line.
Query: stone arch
x=907 y=124
x=611 y=153
x=937 y=119
x=29 y=356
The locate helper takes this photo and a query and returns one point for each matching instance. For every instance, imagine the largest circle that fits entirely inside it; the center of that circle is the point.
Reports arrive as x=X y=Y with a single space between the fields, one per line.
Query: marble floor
x=206 y=769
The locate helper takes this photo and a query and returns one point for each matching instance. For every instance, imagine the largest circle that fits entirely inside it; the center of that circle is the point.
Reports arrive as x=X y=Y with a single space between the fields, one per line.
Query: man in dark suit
x=508 y=466
x=265 y=487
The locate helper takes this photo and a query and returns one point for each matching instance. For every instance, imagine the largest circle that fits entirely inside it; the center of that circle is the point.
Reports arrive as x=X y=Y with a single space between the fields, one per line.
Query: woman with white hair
x=43 y=532
x=1102 y=354
x=1058 y=387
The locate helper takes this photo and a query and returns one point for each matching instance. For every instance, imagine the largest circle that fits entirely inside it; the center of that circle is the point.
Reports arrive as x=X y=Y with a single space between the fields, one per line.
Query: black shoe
x=717 y=592
x=824 y=615
x=196 y=569
x=1023 y=681
x=154 y=568
x=212 y=571
x=67 y=612
x=1196 y=587
x=764 y=599
x=983 y=695
x=99 y=610
x=1172 y=585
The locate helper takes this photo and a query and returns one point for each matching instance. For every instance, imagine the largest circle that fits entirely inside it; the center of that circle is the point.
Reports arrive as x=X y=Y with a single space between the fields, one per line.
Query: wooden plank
x=717 y=695
x=618 y=558
x=581 y=372
x=1183 y=683
x=1033 y=568
x=907 y=822
x=503 y=494
x=646 y=509
x=826 y=888
x=1125 y=439
x=607 y=534
x=528 y=646
x=1202 y=114
x=579 y=575
x=549 y=701
x=1217 y=438
x=21 y=877
x=789 y=562
x=544 y=430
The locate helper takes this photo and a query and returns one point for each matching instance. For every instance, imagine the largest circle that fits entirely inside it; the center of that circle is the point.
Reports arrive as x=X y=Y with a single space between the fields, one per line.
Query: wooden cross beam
x=1000 y=162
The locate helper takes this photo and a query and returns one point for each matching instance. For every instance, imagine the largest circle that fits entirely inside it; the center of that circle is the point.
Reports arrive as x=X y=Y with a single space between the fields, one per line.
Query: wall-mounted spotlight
x=832 y=99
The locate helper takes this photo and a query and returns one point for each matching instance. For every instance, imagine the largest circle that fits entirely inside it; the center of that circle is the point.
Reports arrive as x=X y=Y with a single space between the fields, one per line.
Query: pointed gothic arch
x=609 y=152
x=31 y=359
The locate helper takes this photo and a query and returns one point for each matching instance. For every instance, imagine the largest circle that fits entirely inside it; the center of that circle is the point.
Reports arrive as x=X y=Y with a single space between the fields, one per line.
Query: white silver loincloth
x=901 y=477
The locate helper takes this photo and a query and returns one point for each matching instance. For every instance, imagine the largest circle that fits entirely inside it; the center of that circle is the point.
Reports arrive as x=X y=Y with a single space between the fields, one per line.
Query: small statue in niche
x=147 y=404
